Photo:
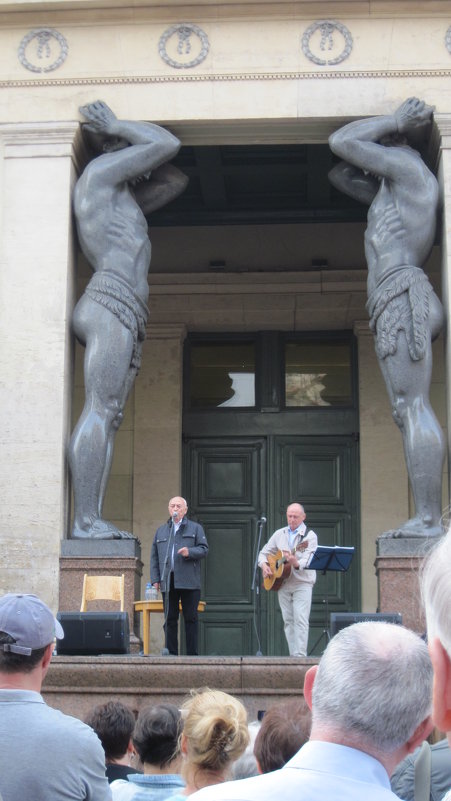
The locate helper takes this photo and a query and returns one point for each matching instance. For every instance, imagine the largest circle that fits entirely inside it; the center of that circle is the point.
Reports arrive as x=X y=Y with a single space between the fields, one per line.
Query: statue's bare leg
x=130 y=380
x=109 y=347
x=408 y=385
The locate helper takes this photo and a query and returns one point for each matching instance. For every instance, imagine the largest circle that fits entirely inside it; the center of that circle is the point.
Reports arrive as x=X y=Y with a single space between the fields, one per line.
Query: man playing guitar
x=296 y=544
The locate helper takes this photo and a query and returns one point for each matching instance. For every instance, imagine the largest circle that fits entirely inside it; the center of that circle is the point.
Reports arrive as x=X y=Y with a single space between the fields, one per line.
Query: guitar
x=280 y=567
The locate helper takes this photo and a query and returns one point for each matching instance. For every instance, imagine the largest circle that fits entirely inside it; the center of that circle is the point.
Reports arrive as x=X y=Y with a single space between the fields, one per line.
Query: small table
x=146 y=607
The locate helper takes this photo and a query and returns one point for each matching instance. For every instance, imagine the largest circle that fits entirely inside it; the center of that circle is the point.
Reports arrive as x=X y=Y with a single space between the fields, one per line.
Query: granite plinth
x=101 y=558
x=405 y=546
x=75 y=684
x=101 y=548
x=398 y=562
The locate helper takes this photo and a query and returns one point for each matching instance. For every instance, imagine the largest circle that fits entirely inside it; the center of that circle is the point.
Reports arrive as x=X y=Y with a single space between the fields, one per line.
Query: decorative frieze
x=185 y=45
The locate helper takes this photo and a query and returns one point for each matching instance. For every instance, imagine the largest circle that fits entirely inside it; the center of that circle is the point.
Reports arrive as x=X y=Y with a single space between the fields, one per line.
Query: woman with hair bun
x=214 y=735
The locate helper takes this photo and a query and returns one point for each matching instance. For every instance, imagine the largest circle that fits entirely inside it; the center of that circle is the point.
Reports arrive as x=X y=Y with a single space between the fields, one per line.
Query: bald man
x=178 y=546
x=297 y=544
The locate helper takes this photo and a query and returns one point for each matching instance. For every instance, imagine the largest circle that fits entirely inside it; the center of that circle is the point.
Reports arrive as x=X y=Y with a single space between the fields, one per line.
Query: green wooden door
x=226 y=481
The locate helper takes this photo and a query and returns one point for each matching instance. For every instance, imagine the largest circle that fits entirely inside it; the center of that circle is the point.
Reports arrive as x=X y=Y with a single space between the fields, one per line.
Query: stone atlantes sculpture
x=117 y=188
x=380 y=169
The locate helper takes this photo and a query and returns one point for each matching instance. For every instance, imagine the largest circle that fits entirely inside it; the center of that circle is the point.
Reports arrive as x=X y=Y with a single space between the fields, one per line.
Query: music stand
x=336 y=558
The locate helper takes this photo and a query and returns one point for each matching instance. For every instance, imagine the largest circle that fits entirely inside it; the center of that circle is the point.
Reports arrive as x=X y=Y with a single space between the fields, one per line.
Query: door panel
x=230 y=557
x=225 y=635
x=225 y=474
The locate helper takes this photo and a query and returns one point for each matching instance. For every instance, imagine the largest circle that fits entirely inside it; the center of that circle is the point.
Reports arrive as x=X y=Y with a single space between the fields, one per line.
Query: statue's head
x=99 y=143
x=395 y=140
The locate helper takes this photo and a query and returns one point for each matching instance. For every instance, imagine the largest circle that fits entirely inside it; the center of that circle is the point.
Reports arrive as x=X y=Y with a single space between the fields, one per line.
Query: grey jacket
x=403 y=779
x=186 y=568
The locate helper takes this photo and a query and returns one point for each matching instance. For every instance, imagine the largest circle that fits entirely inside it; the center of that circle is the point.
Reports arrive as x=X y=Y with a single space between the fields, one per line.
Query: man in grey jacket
x=178 y=546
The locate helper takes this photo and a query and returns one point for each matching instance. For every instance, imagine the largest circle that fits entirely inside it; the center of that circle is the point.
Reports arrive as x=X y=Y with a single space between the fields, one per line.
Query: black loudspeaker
x=94 y=633
x=339 y=620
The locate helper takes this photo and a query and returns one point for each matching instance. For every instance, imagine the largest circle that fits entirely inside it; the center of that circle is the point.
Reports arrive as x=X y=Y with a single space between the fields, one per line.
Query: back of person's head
x=373 y=685
x=27 y=628
x=114 y=724
x=156 y=734
x=284 y=730
x=436 y=588
x=246 y=765
x=215 y=730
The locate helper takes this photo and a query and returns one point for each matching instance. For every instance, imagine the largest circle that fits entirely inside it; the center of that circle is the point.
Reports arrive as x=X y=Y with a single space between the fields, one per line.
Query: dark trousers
x=190 y=601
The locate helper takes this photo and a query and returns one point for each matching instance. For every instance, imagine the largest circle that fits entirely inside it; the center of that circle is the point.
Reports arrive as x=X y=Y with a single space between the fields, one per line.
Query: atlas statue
x=382 y=167
x=118 y=188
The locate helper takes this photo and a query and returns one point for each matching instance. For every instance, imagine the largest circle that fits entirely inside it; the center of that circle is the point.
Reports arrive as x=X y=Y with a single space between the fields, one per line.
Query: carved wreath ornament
x=183 y=46
x=448 y=39
x=327 y=36
x=43 y=50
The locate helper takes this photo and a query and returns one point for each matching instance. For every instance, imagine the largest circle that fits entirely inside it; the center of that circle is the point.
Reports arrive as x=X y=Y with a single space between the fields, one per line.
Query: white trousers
x=295 y=602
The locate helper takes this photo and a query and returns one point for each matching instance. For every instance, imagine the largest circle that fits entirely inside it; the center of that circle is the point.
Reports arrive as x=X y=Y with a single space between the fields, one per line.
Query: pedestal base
x=397 y=565
x=101 y=558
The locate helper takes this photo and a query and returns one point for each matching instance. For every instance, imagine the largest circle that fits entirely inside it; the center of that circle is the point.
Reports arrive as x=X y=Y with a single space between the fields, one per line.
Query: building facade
x=259 y=382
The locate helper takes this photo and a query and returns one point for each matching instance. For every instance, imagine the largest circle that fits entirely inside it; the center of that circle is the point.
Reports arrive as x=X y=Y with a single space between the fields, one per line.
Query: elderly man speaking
x=178 y=546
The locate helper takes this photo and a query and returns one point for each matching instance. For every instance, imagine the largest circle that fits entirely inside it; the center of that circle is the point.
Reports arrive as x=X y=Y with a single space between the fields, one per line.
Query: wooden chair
x=102 y=588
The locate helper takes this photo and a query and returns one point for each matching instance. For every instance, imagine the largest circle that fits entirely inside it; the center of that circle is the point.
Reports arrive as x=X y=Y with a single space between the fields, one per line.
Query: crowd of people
x=368 y=709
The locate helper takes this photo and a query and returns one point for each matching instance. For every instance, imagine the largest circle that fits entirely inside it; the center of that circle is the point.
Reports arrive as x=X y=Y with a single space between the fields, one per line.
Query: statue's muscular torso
x=113 y=231
x=400 y=230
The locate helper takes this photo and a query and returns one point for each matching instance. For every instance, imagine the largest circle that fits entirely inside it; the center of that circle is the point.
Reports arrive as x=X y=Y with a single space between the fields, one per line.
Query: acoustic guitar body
x=281 y=570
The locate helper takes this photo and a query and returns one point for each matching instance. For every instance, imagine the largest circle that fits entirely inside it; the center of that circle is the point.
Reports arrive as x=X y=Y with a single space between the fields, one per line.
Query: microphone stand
x=256 y=587
x=165 y=582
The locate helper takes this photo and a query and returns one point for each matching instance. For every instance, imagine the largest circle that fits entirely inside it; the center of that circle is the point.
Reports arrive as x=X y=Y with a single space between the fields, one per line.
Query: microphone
x=174 y=516
x=262 y=520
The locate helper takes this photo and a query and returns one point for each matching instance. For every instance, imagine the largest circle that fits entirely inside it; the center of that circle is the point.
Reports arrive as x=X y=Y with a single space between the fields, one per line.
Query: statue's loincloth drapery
x=118 y=297
x=401 y=303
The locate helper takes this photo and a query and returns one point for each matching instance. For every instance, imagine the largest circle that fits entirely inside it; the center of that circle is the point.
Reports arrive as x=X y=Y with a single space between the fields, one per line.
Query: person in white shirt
x=297 y=544
x=370 y=698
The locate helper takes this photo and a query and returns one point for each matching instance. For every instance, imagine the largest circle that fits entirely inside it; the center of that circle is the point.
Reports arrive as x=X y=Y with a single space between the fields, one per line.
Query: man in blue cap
x=44 y=753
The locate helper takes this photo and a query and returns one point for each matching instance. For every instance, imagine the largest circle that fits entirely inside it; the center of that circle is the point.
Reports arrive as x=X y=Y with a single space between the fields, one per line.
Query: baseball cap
x=28 y=622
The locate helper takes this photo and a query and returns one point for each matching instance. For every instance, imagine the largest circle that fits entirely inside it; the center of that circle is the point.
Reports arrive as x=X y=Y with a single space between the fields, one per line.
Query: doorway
x=247 y=461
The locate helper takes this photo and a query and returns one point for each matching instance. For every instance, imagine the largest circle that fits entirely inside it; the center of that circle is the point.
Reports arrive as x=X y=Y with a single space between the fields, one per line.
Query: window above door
x=269 y=370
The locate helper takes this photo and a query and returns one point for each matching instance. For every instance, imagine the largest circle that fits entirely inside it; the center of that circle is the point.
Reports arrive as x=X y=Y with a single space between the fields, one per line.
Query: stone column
x=443 y=122
x=38 y=170
x=157 y=440
x=384 y=488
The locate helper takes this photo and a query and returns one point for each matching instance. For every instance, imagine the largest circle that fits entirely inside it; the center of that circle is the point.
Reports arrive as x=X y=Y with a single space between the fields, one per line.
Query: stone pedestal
x=397 y=565
x=101 y=558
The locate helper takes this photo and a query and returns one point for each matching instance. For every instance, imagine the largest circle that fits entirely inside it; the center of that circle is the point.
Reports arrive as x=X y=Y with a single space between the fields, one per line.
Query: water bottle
x=149 y=592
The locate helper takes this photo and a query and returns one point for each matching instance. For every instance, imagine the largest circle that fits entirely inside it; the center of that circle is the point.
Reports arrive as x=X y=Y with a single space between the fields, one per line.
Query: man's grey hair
x=436 y=590
x=374 y=684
